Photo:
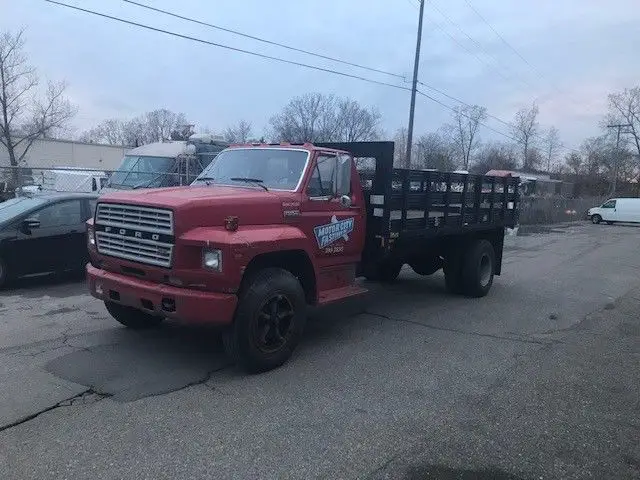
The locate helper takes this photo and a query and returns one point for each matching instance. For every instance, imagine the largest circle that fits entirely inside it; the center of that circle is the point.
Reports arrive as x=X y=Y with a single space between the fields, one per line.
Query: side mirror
x=345 y=201
x=29 y=224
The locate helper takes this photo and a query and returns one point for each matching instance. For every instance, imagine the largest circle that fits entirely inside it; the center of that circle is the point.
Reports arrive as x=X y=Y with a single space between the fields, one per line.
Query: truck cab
x=165 y=164
x=267 y=230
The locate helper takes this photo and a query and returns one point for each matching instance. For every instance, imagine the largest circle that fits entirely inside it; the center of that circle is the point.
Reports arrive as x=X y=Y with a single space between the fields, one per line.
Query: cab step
x=337 y=294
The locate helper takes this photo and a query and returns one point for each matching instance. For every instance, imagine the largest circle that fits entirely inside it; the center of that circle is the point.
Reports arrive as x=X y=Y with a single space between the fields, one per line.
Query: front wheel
x=596 y=219
x=131 y=317
x=269 y=321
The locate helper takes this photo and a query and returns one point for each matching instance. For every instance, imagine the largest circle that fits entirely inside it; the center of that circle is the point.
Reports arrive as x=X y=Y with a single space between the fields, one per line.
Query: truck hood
x=209 y=205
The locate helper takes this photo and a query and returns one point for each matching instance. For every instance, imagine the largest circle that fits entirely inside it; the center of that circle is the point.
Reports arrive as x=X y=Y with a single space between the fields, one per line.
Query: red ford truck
x=268 y=230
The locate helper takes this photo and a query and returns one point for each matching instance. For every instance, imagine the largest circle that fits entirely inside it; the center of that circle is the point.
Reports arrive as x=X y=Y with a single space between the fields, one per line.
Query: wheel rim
x=273 y=324
x=595 y=219
x=485 y=270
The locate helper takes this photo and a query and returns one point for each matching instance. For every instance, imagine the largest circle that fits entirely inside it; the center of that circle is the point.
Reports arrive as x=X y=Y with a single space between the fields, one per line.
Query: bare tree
x=574 y=163
x=238 y=133
x=159 y=124
x=525 y=130
x=355 y=122
x=155 y=126
x=25 y=115
x=316 y=117
x=495 y=156
x=400 y=148
x=624 y=107
x=552 y=144
x=110 y=132
x=464 y=130
x=434 y=150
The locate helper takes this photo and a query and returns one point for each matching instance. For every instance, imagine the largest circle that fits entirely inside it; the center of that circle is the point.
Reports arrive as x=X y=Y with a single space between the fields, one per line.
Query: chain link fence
x=549 y=210
x=20 y=181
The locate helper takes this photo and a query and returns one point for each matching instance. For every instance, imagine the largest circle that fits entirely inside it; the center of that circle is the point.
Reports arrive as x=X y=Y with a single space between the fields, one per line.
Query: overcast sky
x=577 y=52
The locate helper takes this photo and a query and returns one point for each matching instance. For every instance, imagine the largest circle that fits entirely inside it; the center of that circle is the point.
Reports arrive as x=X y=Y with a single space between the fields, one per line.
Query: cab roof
x=286 y=145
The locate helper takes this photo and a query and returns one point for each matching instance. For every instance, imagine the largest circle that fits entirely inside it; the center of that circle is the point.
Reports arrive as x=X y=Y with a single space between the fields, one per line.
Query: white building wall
x=47 y=153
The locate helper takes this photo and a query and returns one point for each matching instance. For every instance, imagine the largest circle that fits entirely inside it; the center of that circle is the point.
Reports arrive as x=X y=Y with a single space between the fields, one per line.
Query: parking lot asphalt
x=538 y=380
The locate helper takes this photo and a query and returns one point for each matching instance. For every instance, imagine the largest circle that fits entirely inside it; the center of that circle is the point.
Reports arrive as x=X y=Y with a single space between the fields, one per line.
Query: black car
x=44 y=233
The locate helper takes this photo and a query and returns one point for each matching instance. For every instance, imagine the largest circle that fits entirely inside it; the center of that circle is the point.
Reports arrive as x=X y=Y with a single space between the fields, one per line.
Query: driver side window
x=609 y=204
x=323 y=177
x=59 y=214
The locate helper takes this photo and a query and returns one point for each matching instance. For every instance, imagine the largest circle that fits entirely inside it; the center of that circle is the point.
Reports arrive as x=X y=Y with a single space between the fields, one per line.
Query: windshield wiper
x=205 y=179
x=256 y=181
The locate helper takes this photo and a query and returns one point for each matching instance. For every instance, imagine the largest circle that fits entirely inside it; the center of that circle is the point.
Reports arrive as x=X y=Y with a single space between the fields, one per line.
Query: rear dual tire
x=471 y=271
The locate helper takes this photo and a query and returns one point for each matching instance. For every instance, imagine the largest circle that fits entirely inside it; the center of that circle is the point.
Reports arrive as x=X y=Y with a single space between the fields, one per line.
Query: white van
x=73 y=180
x=616 y=210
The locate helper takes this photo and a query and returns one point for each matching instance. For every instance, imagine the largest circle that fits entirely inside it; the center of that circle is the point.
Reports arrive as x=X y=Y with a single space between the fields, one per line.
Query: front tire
x=596 y=219
x=269 y=321
x=478 y=269
x=131 y=317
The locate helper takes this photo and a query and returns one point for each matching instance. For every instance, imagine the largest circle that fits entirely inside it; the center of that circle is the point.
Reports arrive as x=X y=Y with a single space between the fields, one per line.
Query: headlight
x=91 y=237
x=212 y=259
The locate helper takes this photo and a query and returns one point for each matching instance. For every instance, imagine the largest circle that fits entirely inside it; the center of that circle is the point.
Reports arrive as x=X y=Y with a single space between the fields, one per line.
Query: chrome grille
x=139 y=234
x=157 y=220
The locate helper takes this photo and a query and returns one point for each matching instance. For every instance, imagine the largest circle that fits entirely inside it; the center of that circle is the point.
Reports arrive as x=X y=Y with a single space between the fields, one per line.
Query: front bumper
x=159 y=299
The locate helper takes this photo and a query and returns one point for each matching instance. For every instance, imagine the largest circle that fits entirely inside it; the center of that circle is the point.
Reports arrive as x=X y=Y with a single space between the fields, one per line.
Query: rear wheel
x=132 y=317
x=478 y=269
x=596 y=219
x=269 y=321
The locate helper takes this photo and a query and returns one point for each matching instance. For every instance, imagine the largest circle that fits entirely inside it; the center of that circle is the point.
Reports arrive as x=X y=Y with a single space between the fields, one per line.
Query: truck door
x=333 y=218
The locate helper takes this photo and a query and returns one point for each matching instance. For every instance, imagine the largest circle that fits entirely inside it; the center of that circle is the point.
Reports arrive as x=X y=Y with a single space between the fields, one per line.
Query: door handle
x=73 y=231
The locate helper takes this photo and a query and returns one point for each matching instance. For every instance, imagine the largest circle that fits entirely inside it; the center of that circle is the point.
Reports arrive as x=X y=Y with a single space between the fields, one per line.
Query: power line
x=263 y=40
x=493 y=117
x=227 y=47
x=278 y=59
x=474 y=41
x=440 y=27
x=453 y=109
x=513 y=49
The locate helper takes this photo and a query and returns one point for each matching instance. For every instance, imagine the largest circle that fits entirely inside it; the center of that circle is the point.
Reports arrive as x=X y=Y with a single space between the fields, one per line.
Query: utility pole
x=414 y=88
x=616 y=159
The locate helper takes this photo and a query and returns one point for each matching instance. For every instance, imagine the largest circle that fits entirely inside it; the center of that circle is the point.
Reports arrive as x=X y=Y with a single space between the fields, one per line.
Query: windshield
x=10 y=209
x=136 y=172
x=278 y=169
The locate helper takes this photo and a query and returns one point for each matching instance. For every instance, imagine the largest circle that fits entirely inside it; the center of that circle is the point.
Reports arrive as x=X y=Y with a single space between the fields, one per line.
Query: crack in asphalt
x=463 y=332
x=89 y=393
x=202 y=382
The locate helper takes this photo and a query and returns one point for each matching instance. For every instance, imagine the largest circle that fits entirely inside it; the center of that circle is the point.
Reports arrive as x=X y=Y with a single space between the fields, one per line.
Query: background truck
x=166 y=164
x=267 y=230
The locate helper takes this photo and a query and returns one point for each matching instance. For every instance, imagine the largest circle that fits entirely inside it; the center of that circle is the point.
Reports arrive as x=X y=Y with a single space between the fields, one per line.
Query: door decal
x=334 y=231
